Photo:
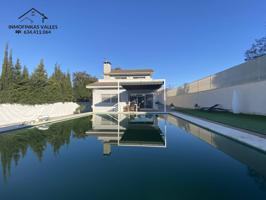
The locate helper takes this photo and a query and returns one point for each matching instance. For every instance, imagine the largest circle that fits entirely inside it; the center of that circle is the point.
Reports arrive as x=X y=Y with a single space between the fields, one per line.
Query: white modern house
x=127 y=90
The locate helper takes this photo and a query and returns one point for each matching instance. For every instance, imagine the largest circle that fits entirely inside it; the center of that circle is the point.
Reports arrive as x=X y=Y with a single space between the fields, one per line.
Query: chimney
x=107 y=67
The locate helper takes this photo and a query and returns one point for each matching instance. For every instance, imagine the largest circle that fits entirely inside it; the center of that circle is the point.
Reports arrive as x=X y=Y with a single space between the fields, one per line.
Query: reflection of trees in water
x=258 y=178
x=14 y=146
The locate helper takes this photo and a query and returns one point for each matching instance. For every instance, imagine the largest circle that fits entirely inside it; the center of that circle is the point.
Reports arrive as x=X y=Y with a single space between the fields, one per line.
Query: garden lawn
x=254 y=123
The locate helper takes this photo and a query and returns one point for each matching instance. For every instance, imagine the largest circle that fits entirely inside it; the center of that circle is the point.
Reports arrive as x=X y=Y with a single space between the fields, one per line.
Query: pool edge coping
x=15 y=127
x=246 y=138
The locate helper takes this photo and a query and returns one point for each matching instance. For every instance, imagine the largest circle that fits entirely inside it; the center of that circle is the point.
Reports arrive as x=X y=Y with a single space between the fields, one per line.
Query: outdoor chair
x=132 y=107
x=216 y=107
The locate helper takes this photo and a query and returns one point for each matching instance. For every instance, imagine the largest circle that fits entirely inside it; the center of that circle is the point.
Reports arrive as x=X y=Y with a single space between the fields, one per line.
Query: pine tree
x=17 y=76
x=56 y=92
x=67 y=87
x=7 y=78
x=69 y=90
x=4 y=75
x=24 y=89
x=25 y=74
x=10 y=69
x=18 y=86
x=40 y=73
x=38 y=85
x=14 y=87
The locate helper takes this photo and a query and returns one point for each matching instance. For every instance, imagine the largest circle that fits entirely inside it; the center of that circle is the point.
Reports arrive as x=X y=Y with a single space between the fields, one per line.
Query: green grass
x=254 y=123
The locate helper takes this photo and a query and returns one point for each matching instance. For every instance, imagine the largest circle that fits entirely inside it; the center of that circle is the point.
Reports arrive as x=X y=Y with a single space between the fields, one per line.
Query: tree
x=257 y=49
x=17 y=85
x=80 y=80
x=23 y=89
x=17 y=76
x=68 y=88
x=10 y=69
x=5 y=66
x=55 y=85
x=40 y=73
x=13 y=91
x=7 y=78
x=25 y=74
x=38 y=85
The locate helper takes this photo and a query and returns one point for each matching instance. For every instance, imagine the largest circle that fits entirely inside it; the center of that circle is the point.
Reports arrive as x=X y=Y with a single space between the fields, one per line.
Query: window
x=139 y=77
x=149 y=101
x=109 y=98
x=120 y=77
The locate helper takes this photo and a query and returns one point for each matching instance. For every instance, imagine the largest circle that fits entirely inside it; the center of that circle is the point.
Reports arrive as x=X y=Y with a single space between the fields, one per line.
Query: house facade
x=126 y=90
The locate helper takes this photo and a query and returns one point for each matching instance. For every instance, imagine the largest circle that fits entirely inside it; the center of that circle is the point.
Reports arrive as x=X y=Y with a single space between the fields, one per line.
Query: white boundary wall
x=246 y=82
x=251 y=100
x=16 y=113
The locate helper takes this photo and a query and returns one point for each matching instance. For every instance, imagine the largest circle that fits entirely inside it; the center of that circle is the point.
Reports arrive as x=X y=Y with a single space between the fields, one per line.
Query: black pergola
x=142 y=85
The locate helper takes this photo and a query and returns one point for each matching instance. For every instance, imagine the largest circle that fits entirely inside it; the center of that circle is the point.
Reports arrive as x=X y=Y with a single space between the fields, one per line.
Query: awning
x=142 y=85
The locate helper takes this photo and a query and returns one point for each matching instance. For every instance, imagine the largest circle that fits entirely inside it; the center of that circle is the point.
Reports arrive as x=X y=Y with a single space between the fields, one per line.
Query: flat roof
x=140 y=84
x=102 y=84
x=131 y=72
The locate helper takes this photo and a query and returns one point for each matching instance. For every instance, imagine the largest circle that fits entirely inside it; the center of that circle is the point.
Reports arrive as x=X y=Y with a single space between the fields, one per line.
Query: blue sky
x=182 y=40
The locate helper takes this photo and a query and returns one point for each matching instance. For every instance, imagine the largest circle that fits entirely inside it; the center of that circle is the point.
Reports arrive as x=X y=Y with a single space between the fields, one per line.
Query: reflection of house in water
x=123 y=130
x=247 y=155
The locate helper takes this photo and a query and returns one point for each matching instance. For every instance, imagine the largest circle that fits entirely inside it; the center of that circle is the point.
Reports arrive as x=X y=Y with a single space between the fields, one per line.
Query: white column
x=165 y=132
x=118 y=129
x=92 y=101
x=164 y=96
x=118 y=97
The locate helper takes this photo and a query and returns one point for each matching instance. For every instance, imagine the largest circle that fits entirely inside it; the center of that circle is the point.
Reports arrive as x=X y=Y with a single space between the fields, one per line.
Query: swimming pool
x=128 y=157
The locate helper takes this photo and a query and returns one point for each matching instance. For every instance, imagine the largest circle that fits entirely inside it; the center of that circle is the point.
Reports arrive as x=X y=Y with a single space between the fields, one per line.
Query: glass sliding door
x=149 y=101
x=142 y=100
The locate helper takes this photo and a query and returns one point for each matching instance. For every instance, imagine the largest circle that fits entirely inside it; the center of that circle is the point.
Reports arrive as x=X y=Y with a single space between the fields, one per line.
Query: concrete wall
x=247 y=81
x=16 y=113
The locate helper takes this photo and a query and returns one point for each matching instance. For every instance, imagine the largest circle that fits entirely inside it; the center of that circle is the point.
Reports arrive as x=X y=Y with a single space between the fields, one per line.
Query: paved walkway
x=13 y=127
x=52 y=120
x=238 y=135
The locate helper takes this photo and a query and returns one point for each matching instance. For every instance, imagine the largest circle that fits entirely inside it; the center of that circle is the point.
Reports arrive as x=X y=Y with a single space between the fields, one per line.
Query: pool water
x=128 y=157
